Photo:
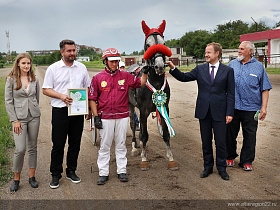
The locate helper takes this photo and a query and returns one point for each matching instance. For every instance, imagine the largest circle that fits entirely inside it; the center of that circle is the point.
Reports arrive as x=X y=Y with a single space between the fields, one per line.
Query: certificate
x=79 y=105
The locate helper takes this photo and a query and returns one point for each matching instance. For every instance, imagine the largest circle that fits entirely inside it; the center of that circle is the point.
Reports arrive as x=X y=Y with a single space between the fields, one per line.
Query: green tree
x=173 y=43
x=14 y=53
x=86 y=52
x=1 y=61
x=194 y=43
x=96 y=57
x=261 y=26
x=228 y=34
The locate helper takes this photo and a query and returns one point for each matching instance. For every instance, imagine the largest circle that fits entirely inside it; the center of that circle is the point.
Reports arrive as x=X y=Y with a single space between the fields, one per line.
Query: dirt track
x=159 y=187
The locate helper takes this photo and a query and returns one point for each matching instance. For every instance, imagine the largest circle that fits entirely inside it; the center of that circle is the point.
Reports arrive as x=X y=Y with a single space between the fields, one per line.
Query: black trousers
x=63 y=126
x=249 y=130
x=207 y=126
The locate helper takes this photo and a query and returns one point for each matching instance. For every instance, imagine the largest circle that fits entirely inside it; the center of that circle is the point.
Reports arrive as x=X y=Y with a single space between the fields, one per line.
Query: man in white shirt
x=60 y=76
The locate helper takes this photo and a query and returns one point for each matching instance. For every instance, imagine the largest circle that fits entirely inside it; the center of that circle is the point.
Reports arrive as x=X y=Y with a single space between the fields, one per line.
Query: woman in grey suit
x=22 y=104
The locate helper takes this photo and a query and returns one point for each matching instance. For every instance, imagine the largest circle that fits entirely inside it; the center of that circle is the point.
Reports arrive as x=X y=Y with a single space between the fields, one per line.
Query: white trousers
x=112 y=129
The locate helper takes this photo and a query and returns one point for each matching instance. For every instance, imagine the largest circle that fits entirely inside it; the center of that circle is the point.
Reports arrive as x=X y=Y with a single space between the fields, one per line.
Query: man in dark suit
x=214 y=105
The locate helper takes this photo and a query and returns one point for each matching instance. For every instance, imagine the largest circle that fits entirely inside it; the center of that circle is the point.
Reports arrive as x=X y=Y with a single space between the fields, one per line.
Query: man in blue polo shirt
x=251 y=95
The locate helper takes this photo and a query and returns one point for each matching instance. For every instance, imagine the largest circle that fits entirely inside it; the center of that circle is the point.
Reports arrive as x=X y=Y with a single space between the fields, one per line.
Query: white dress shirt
x=60 y=77
x=215 y=69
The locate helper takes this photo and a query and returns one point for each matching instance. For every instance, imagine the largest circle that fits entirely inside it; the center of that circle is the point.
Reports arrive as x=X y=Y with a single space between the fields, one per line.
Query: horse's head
x=155 y=49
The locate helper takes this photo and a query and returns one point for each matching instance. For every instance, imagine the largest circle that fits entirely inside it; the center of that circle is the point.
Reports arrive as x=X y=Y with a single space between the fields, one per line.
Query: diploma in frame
x=79 y=104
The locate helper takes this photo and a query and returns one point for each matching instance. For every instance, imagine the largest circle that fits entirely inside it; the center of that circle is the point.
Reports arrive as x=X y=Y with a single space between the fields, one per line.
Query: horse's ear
x=161 y=28
x=145 y=28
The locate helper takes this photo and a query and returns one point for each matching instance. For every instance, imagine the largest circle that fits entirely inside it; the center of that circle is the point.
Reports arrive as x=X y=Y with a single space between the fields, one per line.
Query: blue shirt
x=250 y=81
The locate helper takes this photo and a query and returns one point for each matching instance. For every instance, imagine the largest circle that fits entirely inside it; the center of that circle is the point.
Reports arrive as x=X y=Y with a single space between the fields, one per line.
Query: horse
x=142 y=98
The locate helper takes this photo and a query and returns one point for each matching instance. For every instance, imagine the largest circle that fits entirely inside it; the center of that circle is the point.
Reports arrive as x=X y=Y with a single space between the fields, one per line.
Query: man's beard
x=70 y=59
x=240 y=58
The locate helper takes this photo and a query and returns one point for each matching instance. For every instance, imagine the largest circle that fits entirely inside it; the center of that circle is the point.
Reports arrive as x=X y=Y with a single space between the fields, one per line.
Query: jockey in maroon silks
x=108 y=95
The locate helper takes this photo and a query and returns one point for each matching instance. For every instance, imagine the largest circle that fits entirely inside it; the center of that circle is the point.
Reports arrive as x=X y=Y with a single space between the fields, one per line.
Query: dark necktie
x=212 y=73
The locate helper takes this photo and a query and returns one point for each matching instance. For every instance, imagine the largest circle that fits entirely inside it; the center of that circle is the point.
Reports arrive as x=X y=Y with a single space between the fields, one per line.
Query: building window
x=178 y=51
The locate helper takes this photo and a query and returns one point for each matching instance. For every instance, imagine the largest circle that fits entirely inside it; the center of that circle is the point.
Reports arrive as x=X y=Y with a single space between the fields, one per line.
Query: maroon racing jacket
x=110 y=90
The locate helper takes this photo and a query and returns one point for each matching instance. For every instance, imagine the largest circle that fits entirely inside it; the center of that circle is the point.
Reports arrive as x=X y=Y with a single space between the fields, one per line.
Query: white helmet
x=121 y=63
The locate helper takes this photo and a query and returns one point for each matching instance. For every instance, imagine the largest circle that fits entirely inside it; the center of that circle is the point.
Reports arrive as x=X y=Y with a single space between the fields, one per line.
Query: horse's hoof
x=144 y=166
x=134 y=152
x=172 y=165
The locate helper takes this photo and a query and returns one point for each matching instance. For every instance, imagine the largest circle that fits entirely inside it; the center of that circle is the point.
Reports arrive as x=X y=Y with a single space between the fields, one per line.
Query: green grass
x=272 y=70
x=192 y=66
x=94 y=64
x=6 y=140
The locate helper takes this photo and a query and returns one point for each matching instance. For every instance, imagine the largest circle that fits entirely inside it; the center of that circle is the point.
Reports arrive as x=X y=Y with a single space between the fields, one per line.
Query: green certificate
x=79 y=104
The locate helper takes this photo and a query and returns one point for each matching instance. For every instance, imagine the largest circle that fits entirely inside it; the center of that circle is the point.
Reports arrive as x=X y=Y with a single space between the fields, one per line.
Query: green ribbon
x=159 y=99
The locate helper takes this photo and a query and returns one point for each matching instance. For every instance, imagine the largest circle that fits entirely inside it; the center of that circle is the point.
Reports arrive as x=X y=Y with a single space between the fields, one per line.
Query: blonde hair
x=217 y=47
x=15 y=74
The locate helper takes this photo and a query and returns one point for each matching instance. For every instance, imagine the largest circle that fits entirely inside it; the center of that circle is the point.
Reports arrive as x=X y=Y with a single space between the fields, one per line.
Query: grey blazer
x=18 y=102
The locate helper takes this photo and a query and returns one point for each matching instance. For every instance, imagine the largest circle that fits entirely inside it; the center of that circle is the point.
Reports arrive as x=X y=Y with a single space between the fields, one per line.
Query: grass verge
x=6 y=139
x=269 y=70
x=94 y=64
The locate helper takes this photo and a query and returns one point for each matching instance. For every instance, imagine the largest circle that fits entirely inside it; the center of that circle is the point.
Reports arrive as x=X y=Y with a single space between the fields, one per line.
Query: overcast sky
x=42 y=24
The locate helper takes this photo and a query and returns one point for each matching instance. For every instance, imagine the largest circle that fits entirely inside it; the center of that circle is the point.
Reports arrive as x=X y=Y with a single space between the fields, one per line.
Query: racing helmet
x=111 y=54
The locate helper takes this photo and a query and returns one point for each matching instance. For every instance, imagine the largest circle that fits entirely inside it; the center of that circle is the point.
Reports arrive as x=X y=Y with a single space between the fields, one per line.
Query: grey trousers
x=29 y=134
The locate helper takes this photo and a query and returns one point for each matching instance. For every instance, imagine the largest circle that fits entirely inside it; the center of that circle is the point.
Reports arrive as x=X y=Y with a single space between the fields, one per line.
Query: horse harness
x=151 y=61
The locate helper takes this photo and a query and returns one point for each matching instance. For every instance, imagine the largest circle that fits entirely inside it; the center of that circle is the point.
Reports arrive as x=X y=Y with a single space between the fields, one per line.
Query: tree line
x=56 y=56
x=227 y=35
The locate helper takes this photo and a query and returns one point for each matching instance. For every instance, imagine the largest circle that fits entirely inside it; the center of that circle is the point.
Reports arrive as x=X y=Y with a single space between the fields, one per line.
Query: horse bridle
x=151 y=61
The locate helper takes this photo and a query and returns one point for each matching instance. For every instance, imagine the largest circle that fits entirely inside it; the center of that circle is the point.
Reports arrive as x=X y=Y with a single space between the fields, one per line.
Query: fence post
x=187 y=62
x=265 y=61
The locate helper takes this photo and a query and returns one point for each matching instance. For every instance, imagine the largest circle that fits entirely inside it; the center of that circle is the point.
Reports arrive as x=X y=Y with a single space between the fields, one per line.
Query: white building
x=85 y=59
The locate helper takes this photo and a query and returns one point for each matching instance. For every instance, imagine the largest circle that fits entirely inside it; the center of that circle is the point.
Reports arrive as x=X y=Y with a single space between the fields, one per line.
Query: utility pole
x=256 y=31
x=8 y=47
x=256 y=24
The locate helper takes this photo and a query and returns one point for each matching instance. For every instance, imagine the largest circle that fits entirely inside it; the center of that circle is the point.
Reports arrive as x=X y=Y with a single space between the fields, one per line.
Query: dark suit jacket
x=219 y=96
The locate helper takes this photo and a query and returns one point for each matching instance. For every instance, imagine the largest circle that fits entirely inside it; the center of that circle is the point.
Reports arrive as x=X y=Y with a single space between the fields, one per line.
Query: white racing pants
x=112 y=129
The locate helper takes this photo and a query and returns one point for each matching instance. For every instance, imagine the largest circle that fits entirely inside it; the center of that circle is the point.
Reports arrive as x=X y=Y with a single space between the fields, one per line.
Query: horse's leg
x=134 y=150
x=143 y=141
x=172 y=164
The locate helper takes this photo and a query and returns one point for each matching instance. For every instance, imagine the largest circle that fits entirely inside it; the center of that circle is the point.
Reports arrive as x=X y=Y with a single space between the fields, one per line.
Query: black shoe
x=55 y=182
x=33 y=182
x=73 y=177
x=123 y=177
x=224 y=175
x=206 y=172
x=137 y=127
x=15 y=186
x=102 y=180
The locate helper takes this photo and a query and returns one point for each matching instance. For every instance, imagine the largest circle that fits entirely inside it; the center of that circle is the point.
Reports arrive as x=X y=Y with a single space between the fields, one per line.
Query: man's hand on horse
x=98 y=122
x=170 y=64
